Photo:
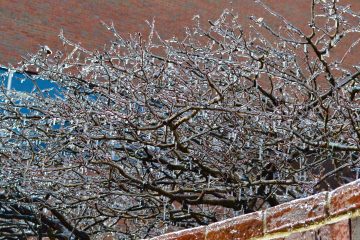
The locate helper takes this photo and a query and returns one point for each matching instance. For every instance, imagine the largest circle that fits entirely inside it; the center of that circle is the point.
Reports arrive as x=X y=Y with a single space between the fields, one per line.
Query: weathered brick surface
x=188 y=234
x=338 y=231
x=355 y=228
x=345 y=198
x=296 y=213
x=243 y=227
x=25 y=24
x=335 y=231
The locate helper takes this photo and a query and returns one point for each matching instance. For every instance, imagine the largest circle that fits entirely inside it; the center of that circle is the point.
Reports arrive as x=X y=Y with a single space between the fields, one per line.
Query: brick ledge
x=315 y=225
x=279 y=222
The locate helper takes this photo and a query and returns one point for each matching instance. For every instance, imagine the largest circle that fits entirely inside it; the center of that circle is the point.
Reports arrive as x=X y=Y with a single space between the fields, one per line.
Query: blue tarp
x=26 y=83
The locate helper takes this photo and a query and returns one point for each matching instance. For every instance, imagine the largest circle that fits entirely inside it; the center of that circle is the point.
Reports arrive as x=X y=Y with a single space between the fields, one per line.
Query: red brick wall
x=26 y=24
x=326 y=216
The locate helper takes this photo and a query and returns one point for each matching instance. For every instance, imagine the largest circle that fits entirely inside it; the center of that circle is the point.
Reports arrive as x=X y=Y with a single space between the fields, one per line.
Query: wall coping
x=299 y=215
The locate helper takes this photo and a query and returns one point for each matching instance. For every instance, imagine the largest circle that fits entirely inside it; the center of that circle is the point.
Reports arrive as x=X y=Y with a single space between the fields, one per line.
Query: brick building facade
x=26 y=24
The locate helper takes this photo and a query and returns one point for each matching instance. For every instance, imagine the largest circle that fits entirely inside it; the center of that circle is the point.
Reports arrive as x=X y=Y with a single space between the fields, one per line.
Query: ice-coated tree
x=151 y=135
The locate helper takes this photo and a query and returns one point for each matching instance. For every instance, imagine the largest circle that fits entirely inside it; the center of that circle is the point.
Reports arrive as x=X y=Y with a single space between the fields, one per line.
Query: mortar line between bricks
x=315 y=225
x=327 y=203
x=264 y=222
x=206 y=232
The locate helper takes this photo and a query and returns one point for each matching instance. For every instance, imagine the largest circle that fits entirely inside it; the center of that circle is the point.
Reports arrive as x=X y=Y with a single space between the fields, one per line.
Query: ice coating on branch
x=154 y=134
